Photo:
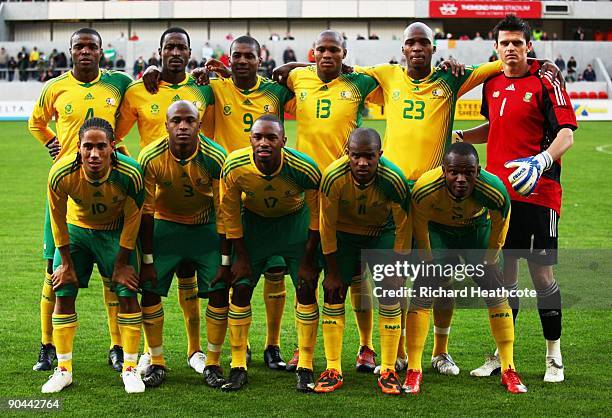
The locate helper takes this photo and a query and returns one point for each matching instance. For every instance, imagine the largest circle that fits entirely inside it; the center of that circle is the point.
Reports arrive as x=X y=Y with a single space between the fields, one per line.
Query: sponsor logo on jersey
x=496 y=94
x=154 y=109
x=510 y=87
x=68 y=109
x=227 y=110
x=303 y=95
x=527 y=97
x=395 y=95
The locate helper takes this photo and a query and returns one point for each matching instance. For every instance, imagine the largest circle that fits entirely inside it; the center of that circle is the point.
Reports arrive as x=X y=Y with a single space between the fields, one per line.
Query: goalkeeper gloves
x=528 y=171
x=457 y=137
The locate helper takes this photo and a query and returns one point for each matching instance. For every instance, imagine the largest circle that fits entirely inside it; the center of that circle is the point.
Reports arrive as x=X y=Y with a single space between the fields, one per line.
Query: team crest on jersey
x=268 y=108
x=527 y=97
x=395 y=95
x=198 y=105
x=303 y=95
x=154 y=109
x=437 y=93
x=110 y=101
x=227 y=110
x=68 y=109
x=496 y=94
x=346 y=95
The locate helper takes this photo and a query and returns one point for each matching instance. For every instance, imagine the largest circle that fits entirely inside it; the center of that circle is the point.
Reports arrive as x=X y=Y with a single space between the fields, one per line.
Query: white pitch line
x=604 y=149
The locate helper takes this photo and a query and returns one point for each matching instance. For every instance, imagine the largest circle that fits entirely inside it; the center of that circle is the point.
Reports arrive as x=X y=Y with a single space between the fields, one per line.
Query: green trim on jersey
x=152 y=151
x=48 y=84
x=391 y=181
x=301 y=168
x=235 y=162
x=491 y=193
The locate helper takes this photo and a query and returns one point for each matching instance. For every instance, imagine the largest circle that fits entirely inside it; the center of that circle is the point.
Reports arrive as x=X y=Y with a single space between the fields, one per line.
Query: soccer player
x=531 y=124
x=459 y=209
x=150 y=111
x=238 y=102
x=73 y=97
x=356 y=194
x=95 y=203
x=269 y=206
x=328 y=108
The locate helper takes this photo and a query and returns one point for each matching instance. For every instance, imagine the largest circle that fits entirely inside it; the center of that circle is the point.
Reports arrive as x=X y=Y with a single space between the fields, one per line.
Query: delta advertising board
x=484 y=9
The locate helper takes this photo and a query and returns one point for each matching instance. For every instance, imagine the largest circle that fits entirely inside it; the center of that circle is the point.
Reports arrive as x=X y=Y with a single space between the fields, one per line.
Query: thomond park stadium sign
x=484 y=9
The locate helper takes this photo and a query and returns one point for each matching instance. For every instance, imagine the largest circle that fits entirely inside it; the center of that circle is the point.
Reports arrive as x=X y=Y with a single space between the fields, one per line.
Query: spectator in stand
x=12 y=66
x=571 y=70
x=579 y=34
x=289 y=55
x=344 y=36
x=589 y=74
x=264 y=54
x=311 y=57
x=218 y=52
x=268 y=67
x=275 y=37
x=139 y=66
x=536 y=34
x=392 y=60
x=33 y=61
x=61 y=62
x=493 y=57
x=288 y=37
x=121 y=37
x=477 y=37
x=192 y=64
x=207 y=52
x=224 y=58
x=359 y=37
x=464 y=37
x=153 y=60
x=23 y=64
x=598 y=35
x=544 y=36
x=490 y=36
x=110 y=55
x=120 y=64
x=229 y=37
x=439 y=34
x=555 y=37
x=4 y=58
x=373 y=37
x=134 y=37
x=560 y=62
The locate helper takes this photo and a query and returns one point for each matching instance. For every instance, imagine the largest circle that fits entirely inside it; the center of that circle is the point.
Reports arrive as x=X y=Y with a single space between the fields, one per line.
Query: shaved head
x=420 y=30
x=365 y=136
x=181 y=105
x=332 y=34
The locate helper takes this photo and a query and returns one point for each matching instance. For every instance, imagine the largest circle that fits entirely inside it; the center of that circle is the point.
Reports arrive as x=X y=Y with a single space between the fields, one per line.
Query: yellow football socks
x=390 y=329
x=307 y=319
x=502 y=328
x=130 y=325
x=153 y=324
x=333 y=331
x=190 y=304
x=275 y=296
x=361 y=299
x=239 y=320
x=417 y=327
x=112 y=309
x=64 y=329
x=47 y=304
x=216 y=328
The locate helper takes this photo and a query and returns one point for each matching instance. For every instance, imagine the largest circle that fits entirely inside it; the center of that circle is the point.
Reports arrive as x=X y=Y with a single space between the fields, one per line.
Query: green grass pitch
x=97 y=390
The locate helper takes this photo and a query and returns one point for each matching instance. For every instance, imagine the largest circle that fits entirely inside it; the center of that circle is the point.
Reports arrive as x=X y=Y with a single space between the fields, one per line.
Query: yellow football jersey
x=420 y=112
x=149 y=110
x=71 y=102
x=295 y=183
x=327 y=113
x=182 y=191
x=432 y=202
x=108 y=204
x=362 y=209
x=235 y=110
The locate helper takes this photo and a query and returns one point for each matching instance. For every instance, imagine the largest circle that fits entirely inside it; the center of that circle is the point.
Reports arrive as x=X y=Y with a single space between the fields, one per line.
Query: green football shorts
x=266 y=238
x=89 y=246
x=174 y=243
x=48 y=243
x=448 y=242
x=349 y=256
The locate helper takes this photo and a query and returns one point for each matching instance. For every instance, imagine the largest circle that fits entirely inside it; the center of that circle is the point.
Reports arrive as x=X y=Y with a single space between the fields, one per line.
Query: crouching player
x=278 y=189
x=356 y=195
x=457 y=208
x=181 y=176
x=95 y=203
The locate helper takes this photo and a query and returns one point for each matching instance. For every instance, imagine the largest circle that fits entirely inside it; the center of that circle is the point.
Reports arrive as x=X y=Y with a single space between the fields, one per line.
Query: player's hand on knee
x=64 y=275
x=528 y=171
x=308 y=272
x=148 y=274
x=151 y=78
x=54 y=147
x=332 y=284
x=125 y=275
x=223 y=275
x=493 y=278
x=241 y=268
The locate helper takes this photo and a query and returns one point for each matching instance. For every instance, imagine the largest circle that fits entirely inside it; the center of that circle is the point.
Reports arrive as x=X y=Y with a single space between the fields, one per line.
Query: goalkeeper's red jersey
x=525 y=115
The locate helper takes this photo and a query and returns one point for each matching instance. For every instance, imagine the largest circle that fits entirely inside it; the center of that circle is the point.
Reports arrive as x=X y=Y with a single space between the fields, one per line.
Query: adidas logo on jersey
x=269 y=188
x=247 y=102
x=176 y=98
x=98 y=194
x=89 y=96
x=510 y=87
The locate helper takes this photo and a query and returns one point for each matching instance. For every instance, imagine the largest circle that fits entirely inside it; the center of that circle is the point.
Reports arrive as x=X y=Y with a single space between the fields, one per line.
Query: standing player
x=238 y=102
x=329 y=105
x=95 y=202
x=357 y=191
x=531 y=126
x=267 y=192
x=72 y=98
x=150 y=112
x=181 y=174
x=459 y=209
